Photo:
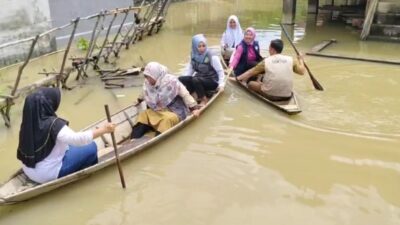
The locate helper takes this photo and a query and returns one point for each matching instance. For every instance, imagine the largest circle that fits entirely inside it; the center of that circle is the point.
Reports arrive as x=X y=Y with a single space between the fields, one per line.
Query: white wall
x=20 y=19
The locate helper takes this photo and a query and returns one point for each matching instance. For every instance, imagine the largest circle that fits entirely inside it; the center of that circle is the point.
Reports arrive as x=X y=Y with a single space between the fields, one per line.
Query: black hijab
x=40 y=126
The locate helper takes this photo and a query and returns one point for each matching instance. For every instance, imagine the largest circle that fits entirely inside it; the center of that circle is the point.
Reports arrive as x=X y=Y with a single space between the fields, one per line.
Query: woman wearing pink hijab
x=247 y=53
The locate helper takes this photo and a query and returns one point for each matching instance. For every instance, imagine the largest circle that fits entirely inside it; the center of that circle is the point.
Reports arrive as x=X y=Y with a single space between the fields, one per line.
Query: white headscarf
x=233 y=37
x=160 y=95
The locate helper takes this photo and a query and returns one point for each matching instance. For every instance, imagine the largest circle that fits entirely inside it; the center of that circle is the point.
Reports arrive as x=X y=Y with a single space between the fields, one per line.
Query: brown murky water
x=242 y=162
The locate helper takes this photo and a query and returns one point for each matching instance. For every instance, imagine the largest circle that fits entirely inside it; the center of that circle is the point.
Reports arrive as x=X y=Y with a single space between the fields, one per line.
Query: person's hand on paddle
x=109 y=127
x=221 y=88
x=106 y=128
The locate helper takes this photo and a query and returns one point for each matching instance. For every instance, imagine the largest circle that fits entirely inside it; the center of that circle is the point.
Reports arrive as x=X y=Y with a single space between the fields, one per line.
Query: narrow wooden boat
x=290 y=106
x=20 y=188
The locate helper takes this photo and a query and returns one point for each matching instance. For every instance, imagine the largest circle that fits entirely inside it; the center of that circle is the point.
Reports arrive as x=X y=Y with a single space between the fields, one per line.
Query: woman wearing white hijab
x=232 y=37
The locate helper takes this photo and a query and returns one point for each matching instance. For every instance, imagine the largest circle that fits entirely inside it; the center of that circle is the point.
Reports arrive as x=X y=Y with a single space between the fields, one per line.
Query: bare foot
x=232 y=78
x=203 y=102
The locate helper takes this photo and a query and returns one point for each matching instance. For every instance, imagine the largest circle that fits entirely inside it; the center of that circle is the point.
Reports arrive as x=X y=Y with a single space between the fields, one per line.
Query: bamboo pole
x=121 y=174
x=56 y=29
x=97 y=59
x=83 y=65
x=147 y=19
x=93 y=43
x=119 y=10
x=71 y=38
x=126 y=40
x=10 y=101
x=5 y=45
x=116 y=36
x=93 y=35
x=156 y=21
x=91 y=16
x=155 y=8
x=130 y=38
x=167 y=7
x=22 y=67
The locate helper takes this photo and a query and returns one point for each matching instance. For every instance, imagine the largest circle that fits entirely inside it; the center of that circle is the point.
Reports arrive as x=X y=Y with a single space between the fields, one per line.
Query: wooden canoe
x=20 y=188
x=290 y=107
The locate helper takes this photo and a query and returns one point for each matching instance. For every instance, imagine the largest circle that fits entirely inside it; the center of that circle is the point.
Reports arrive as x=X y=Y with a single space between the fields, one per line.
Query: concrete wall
x=19 y=20
x=63 y=11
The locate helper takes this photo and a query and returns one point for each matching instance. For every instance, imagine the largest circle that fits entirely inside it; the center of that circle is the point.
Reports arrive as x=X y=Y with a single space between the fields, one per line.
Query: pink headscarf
x=160 y=95
x=252 y=31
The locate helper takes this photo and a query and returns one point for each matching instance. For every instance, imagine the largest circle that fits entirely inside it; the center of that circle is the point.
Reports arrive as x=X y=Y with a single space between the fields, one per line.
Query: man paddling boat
x=277 y=81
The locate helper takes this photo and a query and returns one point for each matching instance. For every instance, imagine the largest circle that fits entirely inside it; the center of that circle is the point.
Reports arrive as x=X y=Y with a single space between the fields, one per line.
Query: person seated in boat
x=48 y=148
x=204 y=72
x=247 y=53
x=168 y=101
x=277 y=81
x=231 y=38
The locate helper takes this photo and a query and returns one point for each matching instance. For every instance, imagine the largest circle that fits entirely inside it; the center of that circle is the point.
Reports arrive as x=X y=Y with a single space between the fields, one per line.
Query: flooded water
x=241 y=162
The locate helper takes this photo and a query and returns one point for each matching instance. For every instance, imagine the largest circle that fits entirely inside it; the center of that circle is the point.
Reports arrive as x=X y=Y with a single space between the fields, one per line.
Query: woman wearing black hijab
x=48 y=148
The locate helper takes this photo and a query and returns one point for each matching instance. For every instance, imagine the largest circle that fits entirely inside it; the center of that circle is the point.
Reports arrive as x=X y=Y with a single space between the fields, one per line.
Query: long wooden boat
x=290 y=106
x=20 y=188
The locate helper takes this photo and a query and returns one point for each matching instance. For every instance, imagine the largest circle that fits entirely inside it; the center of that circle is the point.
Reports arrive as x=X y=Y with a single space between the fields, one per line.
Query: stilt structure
x=386 y=21
x=371 y=10
x=289 y=12
x=313 y=6
x=376 y=19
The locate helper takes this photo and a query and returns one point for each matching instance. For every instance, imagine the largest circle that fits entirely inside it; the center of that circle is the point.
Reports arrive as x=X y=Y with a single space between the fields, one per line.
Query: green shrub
x=83 y=44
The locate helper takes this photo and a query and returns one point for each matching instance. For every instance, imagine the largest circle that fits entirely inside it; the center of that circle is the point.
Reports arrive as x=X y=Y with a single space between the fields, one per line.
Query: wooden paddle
x=121 y=174
x=316 y=84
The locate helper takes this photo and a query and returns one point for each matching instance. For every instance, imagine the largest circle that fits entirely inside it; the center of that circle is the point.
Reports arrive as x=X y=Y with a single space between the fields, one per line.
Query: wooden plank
x=322 y=45
x=392 y=62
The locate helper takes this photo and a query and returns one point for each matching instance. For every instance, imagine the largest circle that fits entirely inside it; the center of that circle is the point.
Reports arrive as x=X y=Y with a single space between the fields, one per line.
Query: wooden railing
x=147 y=18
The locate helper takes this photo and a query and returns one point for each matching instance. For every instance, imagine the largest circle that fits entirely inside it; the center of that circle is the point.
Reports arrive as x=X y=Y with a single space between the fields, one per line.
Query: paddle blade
x=316 y=84
x=314 y=81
